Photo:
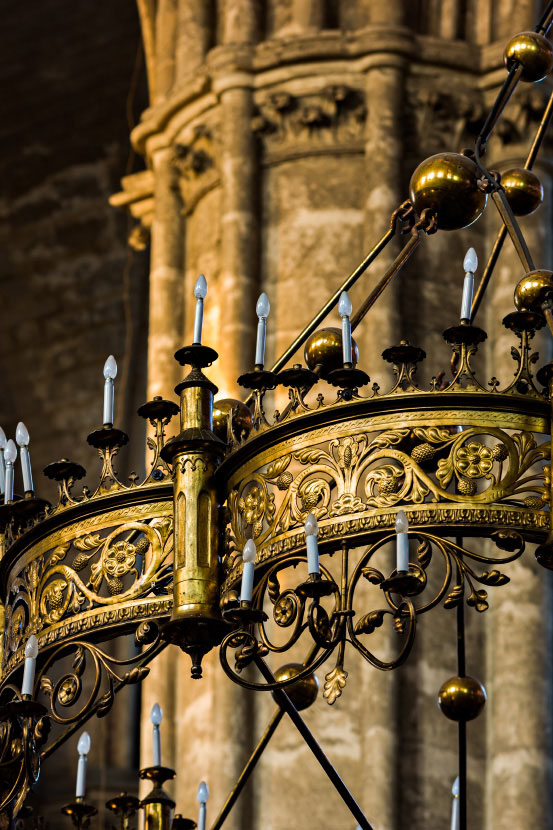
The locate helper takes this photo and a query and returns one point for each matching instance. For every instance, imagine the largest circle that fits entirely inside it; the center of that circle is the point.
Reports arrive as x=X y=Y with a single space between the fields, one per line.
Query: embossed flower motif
x=348 y=452
x=474 y=460
x=284 y=611
x=68 y=690
x=119 y=559
x=253 y=505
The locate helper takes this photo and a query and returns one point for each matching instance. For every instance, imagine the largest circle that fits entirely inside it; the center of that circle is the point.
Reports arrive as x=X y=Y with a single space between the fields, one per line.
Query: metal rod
x=546 y=19
x=503 y=96
x=248 y=769
x=351 y=280
x=396 y=265
x=286 y=704
x=501 y=236
x=513 y=229
x=462 y=739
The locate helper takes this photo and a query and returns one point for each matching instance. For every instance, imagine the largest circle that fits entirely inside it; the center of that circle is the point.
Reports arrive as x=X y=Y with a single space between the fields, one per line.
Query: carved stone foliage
x=98 y=569
x=195 y=161
x=333 y=116
x=365 y=473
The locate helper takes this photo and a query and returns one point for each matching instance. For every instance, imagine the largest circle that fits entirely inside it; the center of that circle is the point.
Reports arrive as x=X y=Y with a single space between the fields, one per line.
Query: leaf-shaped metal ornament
x=424 y=553
x=335 y=681
x=273 y=587
x=477 y=600
x=494 y=578
x=137 y=674
x=105 y=703
x=454 y=597
x=321 y=622
x=79 y=661
x=373 y=576
x=277 y=467
x=369 y=622
x=508 y=540
x=88 y=542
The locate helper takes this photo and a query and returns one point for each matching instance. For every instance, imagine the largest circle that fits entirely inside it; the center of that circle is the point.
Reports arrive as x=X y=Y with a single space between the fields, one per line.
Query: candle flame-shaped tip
x=203 y=793
x=157 y=714
x=31 y=648
x=110 y=368
x=83 y=747
x=311 y=525
x=22 y=435
x=344 y=305
x=402 y=525
x=455 y=788
x=263 y=306
x=470 y=262
x=10 y=453
x=3 y=439
x=250 y=551
x=200 y=289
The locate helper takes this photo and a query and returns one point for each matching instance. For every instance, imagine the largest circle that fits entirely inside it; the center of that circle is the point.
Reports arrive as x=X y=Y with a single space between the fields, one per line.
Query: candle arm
x=346 y=339
x=198 y=320
x=26 y=470
x=402 y=553
x=108 y=402
x=312 y=555
x=468 y=288
x=246 y=588
x=81 y=777
x=260 y=344
x=28 y=676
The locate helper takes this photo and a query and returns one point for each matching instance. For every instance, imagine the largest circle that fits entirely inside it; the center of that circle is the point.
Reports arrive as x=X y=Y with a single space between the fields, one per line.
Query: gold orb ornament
x=447 y=183
x=523 y=189
x=241 y=420
x=324 y=349
x=462 y=698
x=533 y=52
x=535 y=288
x=304 y=692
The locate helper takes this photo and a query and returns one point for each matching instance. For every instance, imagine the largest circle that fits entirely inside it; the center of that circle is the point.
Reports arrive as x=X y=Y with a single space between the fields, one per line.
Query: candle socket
x=79 y=812
x=158 y=805
x=315 y=586
x=125 y=807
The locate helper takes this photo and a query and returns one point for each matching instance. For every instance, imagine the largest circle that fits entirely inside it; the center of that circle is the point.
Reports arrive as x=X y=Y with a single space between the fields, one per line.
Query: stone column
x=165 y=29
x=239 y=285
x=519 y=651
x=194 y=33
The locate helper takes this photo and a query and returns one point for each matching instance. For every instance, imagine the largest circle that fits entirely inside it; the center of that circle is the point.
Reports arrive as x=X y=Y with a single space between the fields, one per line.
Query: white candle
x=156 y=717
x=31 y=653
x=248 y=555
x=311 y=532
x=3 y=442
x=203 y=796
x=455 y=805
x=344 y=310
x=200 y=292
x=402 y=543
x=110 y=373
x=262 y=309
x=22 y=438
x=83 y=748
x=10 y=454
x=470 y=264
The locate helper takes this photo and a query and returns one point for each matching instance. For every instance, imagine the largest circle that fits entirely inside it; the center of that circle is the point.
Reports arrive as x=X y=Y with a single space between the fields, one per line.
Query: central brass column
x=195 y=453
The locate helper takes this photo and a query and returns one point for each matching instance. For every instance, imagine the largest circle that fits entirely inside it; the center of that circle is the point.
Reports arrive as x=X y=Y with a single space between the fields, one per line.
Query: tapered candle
x=10 y=454
x=22 y=438
x=110 y=373
x=455 y=805
x=470 y=264
x=31 y=653
x=203 y=797
x=200 y=292
x=248 y=555
x=83 y=748
x=262 y=309
x=344 y=310
x=311 y=533
x=156 y=717
x=3 y=442
x=402 y=543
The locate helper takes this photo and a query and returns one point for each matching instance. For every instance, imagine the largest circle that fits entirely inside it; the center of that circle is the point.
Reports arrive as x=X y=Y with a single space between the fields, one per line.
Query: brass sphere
x=241 y=422
x=533 y=289
x=523 y=189
x=461 y=698
x=324 y=349
x=533 y=51
x=447 y=183
x=304 y=692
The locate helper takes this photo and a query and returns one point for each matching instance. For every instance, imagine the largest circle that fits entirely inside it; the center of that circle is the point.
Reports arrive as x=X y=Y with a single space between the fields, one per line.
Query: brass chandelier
x=317 y=526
